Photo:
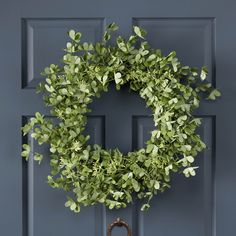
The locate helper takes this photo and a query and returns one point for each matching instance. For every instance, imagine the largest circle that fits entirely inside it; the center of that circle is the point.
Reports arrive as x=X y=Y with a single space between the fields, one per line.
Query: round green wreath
x=91 y=174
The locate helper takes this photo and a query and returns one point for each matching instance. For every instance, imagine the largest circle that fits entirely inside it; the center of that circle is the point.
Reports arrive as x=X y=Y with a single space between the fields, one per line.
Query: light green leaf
x=117 y=77
x=145 y=207
x=104 y=79
x=157 y=185
x=137 y=57
x=149 y=148
x=72 y=34
x=64 y=91
x=204 y=73
x=53 y=149
x=214 y=94
x=50 y=89
x=140 y=32
x=113 y=27
x=69 y=45
x=68 y=110
x=26 y=151
x=181 y=119
x=175 y=64
x=168 y=168
x=68 y=203
x=151 y=57
x=135 y=185
x=155 y=150
x=38 y=157
x=73 y=206
x=190 y=159
x=173 y=101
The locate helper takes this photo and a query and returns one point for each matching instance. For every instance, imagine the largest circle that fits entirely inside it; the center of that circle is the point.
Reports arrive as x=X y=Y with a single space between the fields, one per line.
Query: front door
x=33 y=34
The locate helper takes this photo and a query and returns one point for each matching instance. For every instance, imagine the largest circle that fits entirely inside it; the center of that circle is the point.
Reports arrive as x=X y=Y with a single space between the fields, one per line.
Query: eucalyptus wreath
x=91 y=174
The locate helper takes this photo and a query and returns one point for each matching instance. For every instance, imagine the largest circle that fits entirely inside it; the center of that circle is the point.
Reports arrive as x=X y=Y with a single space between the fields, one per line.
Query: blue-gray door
x=32 y=34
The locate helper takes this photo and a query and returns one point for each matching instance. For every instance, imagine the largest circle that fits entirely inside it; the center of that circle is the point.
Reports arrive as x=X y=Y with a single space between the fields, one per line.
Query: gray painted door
x=32 y=36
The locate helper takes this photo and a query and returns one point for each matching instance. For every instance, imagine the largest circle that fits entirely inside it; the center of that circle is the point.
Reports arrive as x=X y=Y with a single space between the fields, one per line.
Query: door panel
x=193 y=39
x=45 y=207
x=33 y=35
x=187 y=207
x=44 y=41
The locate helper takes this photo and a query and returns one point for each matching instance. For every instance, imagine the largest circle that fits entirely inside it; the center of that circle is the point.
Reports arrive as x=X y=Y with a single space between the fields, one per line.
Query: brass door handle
x=119 y=223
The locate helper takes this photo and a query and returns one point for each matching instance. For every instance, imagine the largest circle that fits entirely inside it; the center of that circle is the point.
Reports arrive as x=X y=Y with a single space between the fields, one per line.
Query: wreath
x=91 y=174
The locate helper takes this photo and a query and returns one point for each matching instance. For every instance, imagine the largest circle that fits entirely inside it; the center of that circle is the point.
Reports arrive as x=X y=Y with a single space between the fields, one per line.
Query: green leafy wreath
x=91 y=174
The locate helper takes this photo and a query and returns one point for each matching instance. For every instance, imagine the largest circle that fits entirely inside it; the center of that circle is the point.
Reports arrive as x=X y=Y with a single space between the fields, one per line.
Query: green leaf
x=104 y=79
x=106 y=37
x=197 y=121
x=186 y=148
x=151 y=57
x=175 y=64
x=155 y=150
x=117 y=77
x=147 y=163
x=190 y=159
x=53 y=149
x=48 y=81
x=85 y=46
x=140 y=32
x=169 y=125
x=145 y=207
x=85 y=154
x=77 y=60
x=156 y=134
x=68 y=110
x=68 y=45
x=26 y=151
x=135 y=185
x=77 y=210
x=214 y=94
x=137 y=57
x=64 y=91
x=38 y=157
x=72 y=34
x=68 y=203
x=77 y=37
x=157 y=185
x=149 y=148
x=181 y=119
x=173 y=101
x=190 y=171
x=50 y=89
x=204 y=73
x=113 y=27
x=73 y=206
x=168 y=168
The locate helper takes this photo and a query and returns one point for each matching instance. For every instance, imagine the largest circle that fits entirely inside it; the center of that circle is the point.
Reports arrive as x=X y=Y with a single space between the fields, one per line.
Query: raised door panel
x=43 y=207
x=193 y=39
x=189 y=205
x=43 y=41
